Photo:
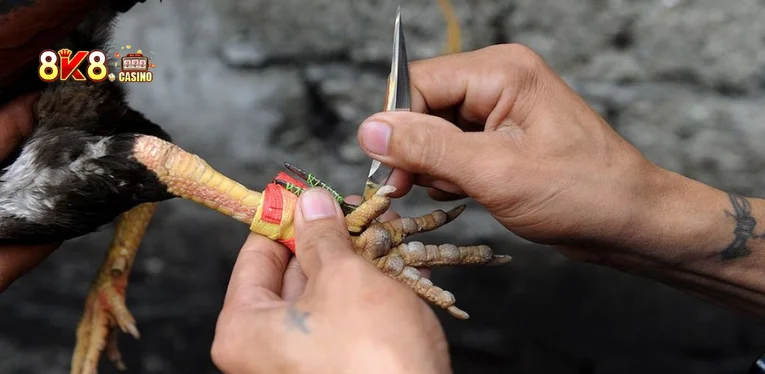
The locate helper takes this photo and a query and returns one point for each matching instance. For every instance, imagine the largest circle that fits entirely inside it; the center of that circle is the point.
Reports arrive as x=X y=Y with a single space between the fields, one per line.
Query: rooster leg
x=113 y=351
x=105 y=308
x=188 y=176
x=382 y=244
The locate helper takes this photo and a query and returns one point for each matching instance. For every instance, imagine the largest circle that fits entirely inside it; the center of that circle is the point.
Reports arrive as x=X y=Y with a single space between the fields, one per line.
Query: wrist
x=678 y=220
x=683 y=224
x=700 y=239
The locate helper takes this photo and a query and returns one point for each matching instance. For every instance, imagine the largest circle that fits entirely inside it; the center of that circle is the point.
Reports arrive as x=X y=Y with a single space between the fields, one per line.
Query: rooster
x=91 y=159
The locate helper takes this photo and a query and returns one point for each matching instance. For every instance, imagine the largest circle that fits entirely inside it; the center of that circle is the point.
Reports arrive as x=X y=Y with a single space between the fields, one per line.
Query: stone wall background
x=249 y=84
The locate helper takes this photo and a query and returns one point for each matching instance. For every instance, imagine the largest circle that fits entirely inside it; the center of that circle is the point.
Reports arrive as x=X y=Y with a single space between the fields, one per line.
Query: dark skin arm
x=15 y=124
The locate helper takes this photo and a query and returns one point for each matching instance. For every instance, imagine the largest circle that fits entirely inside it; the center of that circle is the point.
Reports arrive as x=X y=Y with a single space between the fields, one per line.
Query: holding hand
x=504 y=129
x=501 y=127
x=342 y=315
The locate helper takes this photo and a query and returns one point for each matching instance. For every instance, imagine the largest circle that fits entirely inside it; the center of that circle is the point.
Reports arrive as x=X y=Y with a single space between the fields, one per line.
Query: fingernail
x=317 y=204
x=375 y=137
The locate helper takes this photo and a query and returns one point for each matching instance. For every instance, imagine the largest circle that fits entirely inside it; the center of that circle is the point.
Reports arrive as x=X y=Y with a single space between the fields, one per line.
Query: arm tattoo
x=296 y=319
x=745 y=224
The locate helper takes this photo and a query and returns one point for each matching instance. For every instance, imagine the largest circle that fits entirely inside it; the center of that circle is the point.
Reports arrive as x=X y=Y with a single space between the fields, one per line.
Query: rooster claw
x=105 y=311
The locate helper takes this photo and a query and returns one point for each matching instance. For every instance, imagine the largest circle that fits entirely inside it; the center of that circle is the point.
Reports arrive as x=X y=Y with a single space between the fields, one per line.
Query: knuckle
x=519 y=62
x=525 y=71
x=217 y=353
x=222 y=352
x=521 y=56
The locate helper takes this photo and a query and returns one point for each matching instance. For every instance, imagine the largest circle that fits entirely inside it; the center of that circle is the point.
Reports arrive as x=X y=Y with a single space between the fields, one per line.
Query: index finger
x=479 y=84
x=257 y=275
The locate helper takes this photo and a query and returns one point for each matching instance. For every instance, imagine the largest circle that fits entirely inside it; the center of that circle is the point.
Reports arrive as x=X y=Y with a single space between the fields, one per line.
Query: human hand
x=503 y=128
x=338 y=315
x=15 y=124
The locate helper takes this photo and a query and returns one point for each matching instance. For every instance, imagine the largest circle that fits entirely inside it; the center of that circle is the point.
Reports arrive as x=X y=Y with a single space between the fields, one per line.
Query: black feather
x=75 y=172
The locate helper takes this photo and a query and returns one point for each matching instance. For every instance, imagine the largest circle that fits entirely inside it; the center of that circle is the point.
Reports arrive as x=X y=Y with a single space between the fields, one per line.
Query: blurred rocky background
x=250 y=84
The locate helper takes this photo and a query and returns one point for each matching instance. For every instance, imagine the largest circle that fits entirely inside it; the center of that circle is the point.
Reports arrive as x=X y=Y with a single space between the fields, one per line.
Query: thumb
x=321 y=235
x=426 y=144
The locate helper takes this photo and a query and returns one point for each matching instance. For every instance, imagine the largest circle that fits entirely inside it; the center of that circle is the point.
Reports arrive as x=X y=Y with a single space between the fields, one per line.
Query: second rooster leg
x=105 y=308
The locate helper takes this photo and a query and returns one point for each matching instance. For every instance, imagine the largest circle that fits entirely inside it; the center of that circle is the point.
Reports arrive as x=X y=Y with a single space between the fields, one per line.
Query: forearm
x=705 y=241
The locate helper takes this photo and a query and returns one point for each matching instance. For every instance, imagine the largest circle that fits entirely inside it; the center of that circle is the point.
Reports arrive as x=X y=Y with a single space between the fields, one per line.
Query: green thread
x=313 y=181
x=290 y=187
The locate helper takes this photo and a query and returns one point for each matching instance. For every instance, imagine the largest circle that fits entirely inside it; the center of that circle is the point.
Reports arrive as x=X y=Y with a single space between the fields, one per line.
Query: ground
x=249 y=84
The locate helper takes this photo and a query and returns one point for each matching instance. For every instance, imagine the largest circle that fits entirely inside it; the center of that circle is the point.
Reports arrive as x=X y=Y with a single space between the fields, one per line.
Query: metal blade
x=398 y=97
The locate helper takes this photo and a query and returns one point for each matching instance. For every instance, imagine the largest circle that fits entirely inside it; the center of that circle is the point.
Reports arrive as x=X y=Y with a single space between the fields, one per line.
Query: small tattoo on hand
x=296 y=319
x=745 y=224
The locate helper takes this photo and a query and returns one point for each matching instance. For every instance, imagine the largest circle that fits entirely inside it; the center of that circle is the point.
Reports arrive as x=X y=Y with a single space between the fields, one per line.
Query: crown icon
x=65 y=52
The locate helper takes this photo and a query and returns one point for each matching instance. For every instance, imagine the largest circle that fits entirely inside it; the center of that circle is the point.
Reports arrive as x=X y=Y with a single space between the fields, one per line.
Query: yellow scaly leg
x=105 y=308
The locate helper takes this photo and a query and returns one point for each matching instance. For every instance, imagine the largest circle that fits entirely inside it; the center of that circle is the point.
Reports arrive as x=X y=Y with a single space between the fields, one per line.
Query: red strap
x=272 y=211
x=289 y=243
x=271 y=218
